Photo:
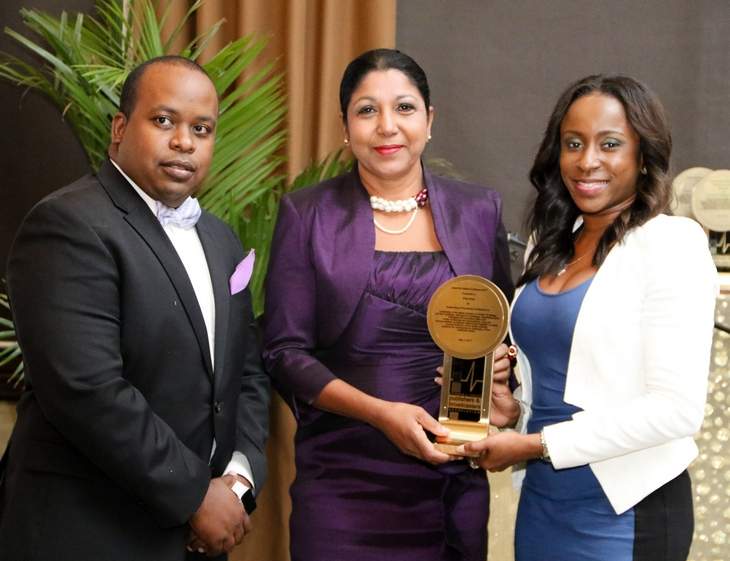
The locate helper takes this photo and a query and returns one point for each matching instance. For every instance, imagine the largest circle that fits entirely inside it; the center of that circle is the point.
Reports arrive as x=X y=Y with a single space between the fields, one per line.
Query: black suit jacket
x=110 y=455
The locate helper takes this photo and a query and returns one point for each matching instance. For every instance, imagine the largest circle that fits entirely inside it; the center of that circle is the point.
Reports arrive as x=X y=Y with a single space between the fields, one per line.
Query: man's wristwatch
x=245 y=494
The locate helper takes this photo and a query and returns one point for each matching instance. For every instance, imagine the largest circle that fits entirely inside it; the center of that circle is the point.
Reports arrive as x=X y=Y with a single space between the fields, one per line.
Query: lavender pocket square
x=240 y=277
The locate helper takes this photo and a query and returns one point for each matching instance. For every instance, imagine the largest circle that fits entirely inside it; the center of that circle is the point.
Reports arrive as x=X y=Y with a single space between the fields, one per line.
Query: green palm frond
x=256 y=226
x=85 y=60
x=250 y=132
x=81 y=64
x=9 y=349
x=332 y=166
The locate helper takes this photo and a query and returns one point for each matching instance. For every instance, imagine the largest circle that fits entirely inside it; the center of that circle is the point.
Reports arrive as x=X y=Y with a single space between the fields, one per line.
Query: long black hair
x=554 y=212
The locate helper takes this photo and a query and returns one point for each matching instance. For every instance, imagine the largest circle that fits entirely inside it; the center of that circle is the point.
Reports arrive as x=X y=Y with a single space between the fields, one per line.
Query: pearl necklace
x=411 y=204
x=400 y=230
x=404 y=205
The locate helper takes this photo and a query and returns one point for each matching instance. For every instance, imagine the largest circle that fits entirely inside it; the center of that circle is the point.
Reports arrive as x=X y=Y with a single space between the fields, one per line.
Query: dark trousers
x=664 y=522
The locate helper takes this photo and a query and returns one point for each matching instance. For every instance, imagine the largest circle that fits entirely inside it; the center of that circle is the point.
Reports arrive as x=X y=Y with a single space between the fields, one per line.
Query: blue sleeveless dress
x=563 y=515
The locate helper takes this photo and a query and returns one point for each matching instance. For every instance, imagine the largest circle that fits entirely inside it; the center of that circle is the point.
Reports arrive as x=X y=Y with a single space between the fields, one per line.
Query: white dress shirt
x=190 y=250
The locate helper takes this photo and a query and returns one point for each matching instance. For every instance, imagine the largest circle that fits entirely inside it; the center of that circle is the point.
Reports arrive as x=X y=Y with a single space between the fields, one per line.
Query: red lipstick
x=388 y=149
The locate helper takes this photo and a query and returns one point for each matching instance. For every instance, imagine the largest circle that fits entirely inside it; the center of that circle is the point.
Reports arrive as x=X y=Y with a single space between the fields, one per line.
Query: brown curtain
x=313 y=41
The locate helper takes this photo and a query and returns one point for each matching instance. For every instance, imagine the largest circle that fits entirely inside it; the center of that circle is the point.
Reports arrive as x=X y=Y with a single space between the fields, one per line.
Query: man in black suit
x=145 y=408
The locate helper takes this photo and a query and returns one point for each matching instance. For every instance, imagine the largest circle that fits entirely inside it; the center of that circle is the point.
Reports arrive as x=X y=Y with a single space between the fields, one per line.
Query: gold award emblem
x=467 y=318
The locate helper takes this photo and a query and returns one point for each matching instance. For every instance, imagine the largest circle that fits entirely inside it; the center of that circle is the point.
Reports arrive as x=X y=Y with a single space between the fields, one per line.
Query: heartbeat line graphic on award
x=472 y=380
x=467 y=318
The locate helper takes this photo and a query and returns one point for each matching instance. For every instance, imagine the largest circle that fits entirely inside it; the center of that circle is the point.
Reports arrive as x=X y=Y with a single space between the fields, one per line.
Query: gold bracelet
x=543 y=443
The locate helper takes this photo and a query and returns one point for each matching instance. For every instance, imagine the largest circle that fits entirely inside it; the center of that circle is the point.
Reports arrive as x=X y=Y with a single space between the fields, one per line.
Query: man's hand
x=220 y=522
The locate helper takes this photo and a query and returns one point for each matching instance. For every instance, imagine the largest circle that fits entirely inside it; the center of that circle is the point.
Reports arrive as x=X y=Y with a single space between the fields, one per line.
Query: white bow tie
x=185 y=216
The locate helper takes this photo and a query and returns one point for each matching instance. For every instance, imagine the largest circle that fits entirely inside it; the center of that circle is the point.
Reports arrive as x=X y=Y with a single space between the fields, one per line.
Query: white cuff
x=239 y=488
x=239 y=465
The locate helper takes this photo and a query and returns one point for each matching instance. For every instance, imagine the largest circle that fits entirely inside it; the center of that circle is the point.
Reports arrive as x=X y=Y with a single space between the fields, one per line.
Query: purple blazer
x=322 y=255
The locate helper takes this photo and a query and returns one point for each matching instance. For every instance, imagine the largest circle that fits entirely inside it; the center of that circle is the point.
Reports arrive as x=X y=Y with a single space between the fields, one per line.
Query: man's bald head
x=128 y=98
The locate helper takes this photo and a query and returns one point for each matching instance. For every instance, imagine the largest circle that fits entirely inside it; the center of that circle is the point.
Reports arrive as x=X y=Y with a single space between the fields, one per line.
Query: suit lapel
x=139 y=217
x=219 y=274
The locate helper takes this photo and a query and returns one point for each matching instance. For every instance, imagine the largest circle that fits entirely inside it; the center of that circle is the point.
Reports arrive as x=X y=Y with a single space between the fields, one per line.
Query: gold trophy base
x=460 y=432
x=450 y=448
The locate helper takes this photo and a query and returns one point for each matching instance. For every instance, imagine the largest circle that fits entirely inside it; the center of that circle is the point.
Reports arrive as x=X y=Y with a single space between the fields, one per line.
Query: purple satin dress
x=356 y=497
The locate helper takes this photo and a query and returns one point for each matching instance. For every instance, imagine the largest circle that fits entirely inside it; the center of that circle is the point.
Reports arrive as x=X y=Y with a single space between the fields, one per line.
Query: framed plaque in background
x=711 y=208
x=683 y=186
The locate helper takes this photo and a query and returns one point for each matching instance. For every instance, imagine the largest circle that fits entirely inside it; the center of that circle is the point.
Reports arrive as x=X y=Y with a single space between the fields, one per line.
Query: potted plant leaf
x=84 y=61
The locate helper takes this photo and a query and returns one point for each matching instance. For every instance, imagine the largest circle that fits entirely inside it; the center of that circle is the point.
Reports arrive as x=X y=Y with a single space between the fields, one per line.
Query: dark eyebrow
x=363 y=98
x=370 y=98
x=600 y=133
x=166 y=109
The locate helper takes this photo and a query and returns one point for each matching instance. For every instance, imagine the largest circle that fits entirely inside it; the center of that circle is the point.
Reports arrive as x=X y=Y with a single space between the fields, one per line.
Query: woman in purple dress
x=354 y=263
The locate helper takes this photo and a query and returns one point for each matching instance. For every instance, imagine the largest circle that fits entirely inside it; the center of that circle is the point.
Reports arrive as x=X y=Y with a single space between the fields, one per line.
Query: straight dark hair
x=381 y=59
x=554 y=213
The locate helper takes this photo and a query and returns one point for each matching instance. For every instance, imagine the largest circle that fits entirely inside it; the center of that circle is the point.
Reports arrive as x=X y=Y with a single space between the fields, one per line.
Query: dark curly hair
x=554 y=212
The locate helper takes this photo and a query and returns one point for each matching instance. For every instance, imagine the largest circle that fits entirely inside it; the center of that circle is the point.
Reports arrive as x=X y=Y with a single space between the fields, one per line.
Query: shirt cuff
x=239 y=465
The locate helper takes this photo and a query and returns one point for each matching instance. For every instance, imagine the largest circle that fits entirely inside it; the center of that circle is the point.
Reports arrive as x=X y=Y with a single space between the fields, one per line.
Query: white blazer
x=638 y=363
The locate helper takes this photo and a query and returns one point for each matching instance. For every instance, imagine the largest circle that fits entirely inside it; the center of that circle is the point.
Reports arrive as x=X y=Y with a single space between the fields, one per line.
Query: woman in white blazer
x=613 y=319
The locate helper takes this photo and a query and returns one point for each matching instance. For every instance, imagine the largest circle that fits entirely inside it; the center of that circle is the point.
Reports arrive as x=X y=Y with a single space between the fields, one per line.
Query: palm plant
x=9 y=350
x=85 y=60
